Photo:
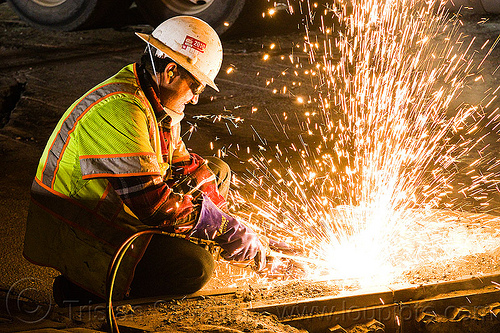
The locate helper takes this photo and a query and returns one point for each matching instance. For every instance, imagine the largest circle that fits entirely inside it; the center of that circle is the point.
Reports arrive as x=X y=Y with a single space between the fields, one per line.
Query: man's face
x=177 y=90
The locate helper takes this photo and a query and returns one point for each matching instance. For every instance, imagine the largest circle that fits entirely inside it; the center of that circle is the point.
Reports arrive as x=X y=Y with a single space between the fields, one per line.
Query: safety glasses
x=196 y=86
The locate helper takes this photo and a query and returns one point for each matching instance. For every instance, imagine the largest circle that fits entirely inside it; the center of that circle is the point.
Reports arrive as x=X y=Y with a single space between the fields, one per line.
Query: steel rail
x=400 y=310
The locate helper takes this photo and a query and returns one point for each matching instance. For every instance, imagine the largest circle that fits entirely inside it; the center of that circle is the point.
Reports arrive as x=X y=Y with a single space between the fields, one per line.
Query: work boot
x=66 y=293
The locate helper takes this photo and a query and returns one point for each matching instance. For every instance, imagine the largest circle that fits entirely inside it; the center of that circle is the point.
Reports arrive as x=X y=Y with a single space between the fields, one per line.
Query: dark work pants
x=170 y=266
x=173 y=266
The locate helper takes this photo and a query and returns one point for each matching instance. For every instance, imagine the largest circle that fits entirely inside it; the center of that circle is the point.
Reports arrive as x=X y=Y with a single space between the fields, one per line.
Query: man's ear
x=171 y=70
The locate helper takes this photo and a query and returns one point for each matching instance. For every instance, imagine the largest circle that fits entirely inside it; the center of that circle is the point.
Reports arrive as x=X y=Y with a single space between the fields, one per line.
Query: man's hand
x=280 y=263
x=260 y=260
x=283 y=268
x=178 y=207
x=198 y=175
x=238 y=242
x=185 y=168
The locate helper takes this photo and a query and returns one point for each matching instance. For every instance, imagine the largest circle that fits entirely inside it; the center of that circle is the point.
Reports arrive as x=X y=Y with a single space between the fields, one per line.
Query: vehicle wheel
x=220 y=14
x=252 y=22
x=68 y=15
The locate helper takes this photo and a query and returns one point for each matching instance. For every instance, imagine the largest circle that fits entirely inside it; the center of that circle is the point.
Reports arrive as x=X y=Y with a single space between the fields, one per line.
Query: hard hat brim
x=181 y=59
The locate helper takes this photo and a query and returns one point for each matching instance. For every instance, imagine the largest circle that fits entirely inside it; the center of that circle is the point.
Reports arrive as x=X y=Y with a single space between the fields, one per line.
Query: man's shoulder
x=127 y=76
x=124 y=86
x=120 y=95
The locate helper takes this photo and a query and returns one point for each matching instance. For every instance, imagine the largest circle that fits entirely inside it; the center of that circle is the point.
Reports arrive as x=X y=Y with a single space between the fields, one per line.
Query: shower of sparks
x=380 y=147
x=219 y=117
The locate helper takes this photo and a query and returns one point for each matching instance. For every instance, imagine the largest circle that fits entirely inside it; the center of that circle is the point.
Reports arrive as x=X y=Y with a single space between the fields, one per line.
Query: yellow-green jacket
x=76 y=220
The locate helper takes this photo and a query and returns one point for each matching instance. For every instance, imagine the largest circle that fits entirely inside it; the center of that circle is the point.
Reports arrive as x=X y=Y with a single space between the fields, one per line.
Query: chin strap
x=152 y=63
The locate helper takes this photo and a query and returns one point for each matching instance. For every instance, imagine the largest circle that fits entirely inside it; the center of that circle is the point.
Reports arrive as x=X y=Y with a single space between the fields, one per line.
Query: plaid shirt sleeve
x=147 y=197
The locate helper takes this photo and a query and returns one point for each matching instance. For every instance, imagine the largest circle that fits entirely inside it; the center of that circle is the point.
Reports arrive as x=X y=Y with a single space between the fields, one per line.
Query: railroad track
x=408 y=309
x=405 y=310
x=451 y=306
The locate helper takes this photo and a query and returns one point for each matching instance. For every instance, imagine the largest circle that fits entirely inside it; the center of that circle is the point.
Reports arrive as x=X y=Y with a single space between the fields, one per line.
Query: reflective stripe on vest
x=62 y=139
x=126 y=164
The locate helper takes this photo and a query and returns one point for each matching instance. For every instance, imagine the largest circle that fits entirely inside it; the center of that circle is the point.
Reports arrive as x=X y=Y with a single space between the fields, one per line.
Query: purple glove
x=238 y=242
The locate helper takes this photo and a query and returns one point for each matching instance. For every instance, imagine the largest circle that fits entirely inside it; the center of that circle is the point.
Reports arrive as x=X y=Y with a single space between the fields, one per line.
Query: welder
x=116 y=164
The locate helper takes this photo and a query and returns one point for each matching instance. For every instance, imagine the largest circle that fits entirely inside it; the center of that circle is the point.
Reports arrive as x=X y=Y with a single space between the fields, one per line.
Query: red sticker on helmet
x=194 y=43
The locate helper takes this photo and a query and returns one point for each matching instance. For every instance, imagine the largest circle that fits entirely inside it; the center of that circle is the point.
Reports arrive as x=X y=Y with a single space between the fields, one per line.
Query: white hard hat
x=191 y=43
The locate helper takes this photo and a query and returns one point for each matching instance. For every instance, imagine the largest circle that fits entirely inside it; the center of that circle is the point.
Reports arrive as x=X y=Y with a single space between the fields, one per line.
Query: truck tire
x=68 y=15
x=220 y=14
x=474 y=6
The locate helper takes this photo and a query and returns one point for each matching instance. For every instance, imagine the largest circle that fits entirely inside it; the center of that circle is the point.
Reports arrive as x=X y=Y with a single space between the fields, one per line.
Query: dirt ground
x=43 y=72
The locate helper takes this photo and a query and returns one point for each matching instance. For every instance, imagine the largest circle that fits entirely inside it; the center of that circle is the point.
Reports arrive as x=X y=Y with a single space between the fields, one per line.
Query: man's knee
x=199 y=272
x=172 y=266
x=222 y=172
x=219 y=167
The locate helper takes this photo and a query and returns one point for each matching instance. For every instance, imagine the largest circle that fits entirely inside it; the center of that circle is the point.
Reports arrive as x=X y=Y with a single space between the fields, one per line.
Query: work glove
x=238 y=242
x=198 y=175
x=280 y=262
x=178 y=207
x=182 y=169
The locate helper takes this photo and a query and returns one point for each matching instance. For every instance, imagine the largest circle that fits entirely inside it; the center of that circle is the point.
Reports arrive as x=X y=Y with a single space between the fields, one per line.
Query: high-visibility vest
x=76 y=221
